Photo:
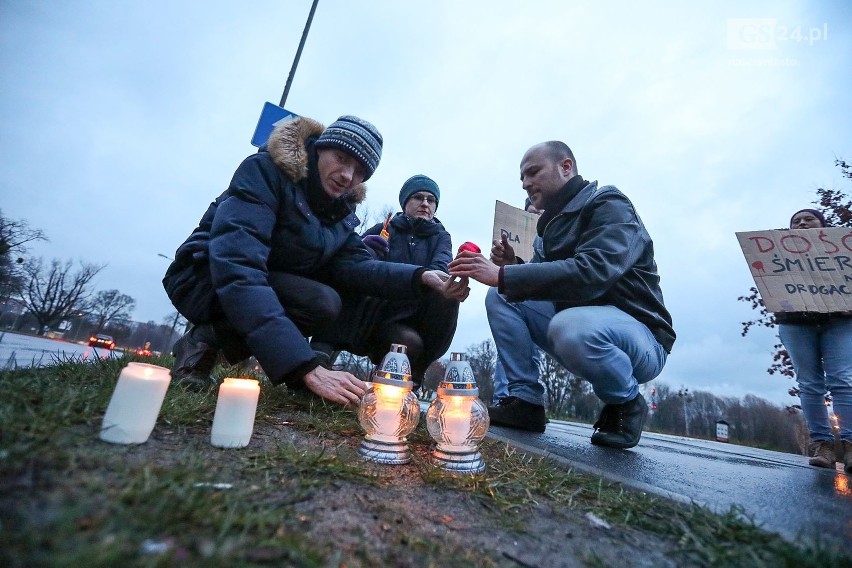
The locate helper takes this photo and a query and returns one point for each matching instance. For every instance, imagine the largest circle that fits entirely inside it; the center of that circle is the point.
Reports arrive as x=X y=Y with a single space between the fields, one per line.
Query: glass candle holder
x=389 y=411
x=135 y=404
x=457 y=420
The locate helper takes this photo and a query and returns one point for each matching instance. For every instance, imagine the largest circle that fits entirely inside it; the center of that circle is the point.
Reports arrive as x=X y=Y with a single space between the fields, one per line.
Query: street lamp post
x=298 y=54
x=683 y=393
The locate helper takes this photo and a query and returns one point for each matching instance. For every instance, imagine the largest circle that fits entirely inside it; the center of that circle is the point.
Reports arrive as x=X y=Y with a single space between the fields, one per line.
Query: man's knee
x=570 y=326
x=327 y=306
x=571 y=332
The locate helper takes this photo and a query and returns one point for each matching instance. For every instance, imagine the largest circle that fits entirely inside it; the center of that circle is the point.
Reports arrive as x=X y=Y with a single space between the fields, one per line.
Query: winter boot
x=620 y=425
x=195 y=356
x=847 y=456
x=822 y=453
x=516 y=413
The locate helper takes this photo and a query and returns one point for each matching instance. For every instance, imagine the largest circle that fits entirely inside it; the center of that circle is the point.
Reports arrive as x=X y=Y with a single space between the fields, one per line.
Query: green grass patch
x=298 y=495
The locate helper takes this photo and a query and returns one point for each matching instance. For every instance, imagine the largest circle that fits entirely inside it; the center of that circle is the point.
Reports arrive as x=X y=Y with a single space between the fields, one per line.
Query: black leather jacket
x=595 y=252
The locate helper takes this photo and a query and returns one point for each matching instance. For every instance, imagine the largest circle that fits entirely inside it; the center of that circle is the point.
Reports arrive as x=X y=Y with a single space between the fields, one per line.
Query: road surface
x=781 y=492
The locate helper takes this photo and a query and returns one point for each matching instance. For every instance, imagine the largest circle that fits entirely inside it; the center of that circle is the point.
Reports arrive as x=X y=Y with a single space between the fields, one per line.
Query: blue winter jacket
x=416 y=241
x=263 y=223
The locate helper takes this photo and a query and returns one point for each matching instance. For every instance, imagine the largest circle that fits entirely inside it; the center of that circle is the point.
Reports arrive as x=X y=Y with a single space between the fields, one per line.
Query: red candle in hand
x=470 y=247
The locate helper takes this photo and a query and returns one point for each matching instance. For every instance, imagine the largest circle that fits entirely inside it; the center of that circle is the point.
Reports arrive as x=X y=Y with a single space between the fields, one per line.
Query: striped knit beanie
x=356 y=137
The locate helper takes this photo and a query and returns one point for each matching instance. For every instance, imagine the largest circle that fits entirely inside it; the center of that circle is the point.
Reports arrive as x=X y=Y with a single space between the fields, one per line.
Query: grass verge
x=298 y=495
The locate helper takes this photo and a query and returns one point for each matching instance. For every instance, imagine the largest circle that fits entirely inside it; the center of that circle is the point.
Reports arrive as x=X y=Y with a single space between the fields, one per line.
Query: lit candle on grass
x=135 y=404
x=233 y=422
x=457 y=420
x=388 y=411
x=389 y=408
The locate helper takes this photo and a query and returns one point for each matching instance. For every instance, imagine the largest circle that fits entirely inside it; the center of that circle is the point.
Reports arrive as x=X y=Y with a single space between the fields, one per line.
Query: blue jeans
x=822 y=358
x=501 y=383
x=602 y=344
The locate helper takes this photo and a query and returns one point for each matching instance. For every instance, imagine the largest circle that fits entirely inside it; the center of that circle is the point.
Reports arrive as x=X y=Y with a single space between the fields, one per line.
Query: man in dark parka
x=259 y=274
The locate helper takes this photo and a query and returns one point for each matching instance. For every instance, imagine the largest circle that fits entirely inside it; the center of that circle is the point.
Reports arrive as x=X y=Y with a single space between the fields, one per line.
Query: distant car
x=142 y=352
x=101 y=340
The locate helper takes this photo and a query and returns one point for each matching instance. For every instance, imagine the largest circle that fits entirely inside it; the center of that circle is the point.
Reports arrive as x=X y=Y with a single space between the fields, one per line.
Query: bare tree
x=110 y=305
x=483 y=361
x=54 y=293
x=174 y=320
x=563 y=390
x=14 y=236
x=370 y=217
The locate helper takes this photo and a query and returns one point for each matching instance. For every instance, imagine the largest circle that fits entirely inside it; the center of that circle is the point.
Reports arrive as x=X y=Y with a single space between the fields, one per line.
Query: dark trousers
x=309 y=304
x=368 y=327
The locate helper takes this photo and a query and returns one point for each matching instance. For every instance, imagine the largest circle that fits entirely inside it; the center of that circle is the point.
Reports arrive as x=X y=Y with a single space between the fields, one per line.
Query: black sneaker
x=195 y=356
x=620 y=425
x=516 y=413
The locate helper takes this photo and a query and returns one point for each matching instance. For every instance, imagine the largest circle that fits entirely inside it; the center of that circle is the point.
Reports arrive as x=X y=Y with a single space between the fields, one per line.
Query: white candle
x=135 y=403
x=389 y=401
x=456 y=421
x=233 y=421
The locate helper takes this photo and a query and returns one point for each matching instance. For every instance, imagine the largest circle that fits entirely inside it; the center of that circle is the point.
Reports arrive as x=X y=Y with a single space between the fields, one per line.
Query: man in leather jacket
x=590 y=297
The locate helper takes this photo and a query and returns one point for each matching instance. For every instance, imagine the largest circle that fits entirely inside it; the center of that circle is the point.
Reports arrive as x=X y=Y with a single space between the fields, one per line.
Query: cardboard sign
x=801 y=270
x=518 y=226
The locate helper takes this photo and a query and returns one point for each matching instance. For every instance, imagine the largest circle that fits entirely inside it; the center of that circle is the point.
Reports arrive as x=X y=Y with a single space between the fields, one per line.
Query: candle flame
x=241 y=383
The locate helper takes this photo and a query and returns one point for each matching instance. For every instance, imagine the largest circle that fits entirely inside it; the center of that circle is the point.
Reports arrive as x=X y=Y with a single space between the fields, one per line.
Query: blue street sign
x=270 y=116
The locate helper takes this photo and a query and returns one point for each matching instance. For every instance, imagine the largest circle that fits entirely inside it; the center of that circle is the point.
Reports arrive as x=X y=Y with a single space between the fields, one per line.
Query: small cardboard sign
x=518 y=226
x=801 y=270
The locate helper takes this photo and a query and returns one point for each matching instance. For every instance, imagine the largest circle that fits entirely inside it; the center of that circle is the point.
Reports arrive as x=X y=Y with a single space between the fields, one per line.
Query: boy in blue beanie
x=367 y=326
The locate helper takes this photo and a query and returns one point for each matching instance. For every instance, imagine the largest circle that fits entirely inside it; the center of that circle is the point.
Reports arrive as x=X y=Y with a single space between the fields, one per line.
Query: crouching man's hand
x=337 y=386
x=450 y=288
x=471 y=265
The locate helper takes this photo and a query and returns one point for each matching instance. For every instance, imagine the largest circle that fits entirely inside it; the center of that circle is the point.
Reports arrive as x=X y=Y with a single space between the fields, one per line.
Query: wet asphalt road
x=780 y=492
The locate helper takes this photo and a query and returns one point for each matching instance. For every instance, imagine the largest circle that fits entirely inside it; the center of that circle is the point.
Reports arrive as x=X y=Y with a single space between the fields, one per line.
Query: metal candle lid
x=458 y=378
x=395 y=368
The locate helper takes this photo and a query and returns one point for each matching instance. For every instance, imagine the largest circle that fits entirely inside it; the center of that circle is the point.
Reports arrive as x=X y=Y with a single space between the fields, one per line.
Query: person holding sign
x=820 y=348
x=590 y=297
x=261 y=271
x=426 y=325
x=500 y=251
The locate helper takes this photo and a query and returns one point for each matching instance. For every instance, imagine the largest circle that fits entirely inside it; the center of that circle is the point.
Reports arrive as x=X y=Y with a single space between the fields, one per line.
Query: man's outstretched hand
x=472 y=265
x=450 y=288
x=337 y=386
x=502 y=252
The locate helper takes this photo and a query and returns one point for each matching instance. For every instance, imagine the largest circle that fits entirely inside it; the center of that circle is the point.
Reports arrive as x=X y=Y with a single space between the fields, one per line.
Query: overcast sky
x=122 y=120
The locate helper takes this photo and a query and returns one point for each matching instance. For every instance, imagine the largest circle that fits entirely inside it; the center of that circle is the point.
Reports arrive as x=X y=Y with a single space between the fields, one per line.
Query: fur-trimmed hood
x=286 y=147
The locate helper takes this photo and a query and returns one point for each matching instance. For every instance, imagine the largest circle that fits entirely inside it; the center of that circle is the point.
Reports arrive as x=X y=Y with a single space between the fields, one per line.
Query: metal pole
x=298 y=54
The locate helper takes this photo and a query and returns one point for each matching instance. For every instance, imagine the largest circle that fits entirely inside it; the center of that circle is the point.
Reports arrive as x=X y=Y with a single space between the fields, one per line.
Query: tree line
x=752 y=421
x=58 y=296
